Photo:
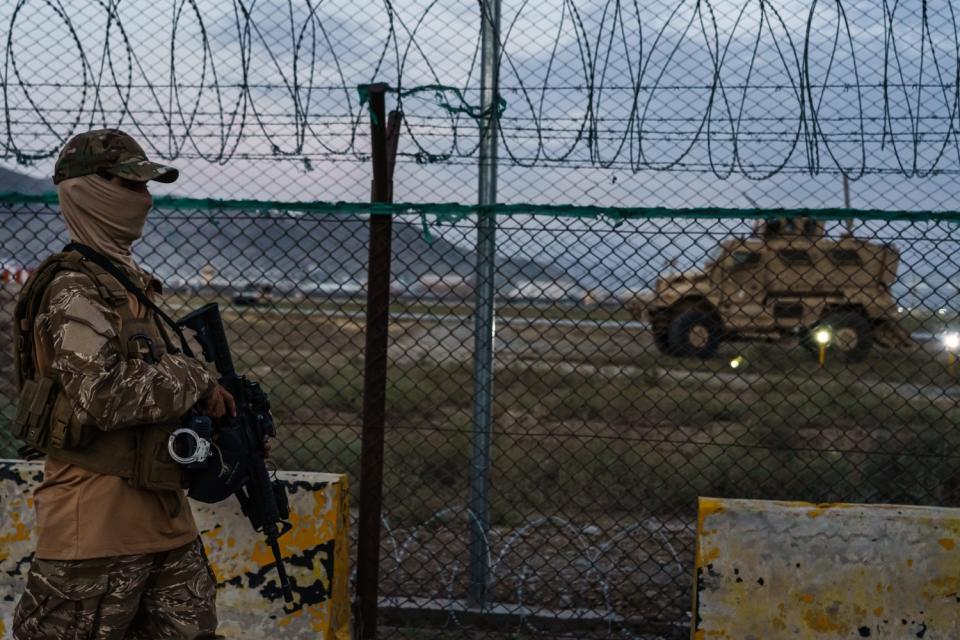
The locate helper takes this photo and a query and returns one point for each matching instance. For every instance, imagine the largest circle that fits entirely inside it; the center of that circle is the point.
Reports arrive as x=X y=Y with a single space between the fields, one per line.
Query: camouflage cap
x=109 y=150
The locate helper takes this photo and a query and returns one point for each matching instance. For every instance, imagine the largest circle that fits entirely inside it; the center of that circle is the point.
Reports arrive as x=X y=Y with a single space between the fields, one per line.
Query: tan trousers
x=163 y=595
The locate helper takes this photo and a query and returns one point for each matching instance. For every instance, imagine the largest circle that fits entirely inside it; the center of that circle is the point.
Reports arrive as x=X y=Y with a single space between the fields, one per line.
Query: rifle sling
x=108 y=265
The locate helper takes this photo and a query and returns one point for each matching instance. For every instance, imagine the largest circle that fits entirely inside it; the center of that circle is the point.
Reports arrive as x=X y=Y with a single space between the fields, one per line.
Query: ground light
x=951 y=342
x=823 y=336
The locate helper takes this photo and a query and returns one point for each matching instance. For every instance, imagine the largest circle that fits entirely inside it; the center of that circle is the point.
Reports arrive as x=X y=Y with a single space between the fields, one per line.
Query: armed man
x=102 y=385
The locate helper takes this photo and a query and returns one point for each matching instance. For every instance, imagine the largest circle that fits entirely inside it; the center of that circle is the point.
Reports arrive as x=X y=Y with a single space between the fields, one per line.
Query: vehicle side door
x=745 y=283
x=796 y=284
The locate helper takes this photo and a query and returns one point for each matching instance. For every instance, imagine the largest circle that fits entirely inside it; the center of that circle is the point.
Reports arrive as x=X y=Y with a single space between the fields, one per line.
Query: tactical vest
x=45 y=418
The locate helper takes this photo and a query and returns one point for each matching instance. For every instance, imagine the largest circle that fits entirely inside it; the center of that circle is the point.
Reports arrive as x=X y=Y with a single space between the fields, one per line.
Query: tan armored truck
x=785 y=280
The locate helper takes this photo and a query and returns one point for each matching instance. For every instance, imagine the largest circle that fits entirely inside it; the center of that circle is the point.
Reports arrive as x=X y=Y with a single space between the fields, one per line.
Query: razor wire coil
x=234 y=114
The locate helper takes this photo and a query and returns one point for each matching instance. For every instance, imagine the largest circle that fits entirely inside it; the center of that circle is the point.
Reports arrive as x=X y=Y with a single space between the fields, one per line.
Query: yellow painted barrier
x=776 y=570
x=249 y=602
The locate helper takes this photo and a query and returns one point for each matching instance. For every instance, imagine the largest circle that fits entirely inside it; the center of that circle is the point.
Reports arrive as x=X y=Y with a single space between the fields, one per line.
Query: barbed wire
x=724 y=87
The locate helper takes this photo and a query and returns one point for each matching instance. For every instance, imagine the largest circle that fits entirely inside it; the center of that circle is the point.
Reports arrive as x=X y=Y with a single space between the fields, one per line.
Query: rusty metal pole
x=383 y=140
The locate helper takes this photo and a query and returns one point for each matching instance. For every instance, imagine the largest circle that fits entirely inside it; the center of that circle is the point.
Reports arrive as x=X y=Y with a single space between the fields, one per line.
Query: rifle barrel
x=281 y=570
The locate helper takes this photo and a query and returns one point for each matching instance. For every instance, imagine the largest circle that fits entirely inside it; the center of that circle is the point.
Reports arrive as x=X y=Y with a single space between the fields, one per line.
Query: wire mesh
x=610 y=417
x=645 y=354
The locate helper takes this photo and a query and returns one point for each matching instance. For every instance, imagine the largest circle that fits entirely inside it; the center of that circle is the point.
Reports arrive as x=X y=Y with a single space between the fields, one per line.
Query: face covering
x=104 y=216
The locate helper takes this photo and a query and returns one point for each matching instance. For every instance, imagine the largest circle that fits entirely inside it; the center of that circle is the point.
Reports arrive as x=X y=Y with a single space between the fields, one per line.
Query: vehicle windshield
x=745 y=258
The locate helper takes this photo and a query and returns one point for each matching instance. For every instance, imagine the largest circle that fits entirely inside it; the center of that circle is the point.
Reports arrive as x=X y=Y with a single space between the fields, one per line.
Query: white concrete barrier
x=248 y=599
x=787 y=570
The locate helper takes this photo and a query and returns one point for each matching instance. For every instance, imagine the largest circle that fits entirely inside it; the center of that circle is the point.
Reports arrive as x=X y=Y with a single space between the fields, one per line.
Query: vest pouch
x=66 y=432
x=154 y=468
x=77 y=435
x=34 y=409
x=59 y=419
x=21 y=422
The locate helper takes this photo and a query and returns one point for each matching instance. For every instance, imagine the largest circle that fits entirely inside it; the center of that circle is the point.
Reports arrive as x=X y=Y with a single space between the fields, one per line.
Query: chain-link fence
x=644 y=354
x=701 y=375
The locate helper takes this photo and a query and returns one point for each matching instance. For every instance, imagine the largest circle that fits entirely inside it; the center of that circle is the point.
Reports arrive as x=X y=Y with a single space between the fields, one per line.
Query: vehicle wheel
x=852 y=336
x=694 y=333
x=661 y=338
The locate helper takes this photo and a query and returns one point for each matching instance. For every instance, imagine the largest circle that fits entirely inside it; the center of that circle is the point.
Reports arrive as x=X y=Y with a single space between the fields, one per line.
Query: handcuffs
x=191 y=445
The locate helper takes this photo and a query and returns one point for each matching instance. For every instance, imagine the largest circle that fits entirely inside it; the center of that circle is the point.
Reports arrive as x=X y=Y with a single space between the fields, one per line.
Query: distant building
x=546 y=291
x=446 y=286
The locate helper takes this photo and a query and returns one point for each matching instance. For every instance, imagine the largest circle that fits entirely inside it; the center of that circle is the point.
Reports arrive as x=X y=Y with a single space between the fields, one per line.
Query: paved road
x=518 y=321
x=450 y=318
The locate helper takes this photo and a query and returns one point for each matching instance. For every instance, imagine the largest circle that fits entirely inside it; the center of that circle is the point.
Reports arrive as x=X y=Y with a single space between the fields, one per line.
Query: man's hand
x=221 y=403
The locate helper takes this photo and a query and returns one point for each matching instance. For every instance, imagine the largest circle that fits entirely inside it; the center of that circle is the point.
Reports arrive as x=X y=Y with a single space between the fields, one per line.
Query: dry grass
x=596 y=423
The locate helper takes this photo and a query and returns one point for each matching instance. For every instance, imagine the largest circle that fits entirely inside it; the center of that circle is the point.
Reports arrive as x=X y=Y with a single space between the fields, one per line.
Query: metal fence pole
x=375 y=367
x=484 y=323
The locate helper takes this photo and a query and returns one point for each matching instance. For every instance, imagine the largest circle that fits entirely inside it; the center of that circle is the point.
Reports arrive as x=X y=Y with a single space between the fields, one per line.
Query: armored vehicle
x=787 y=279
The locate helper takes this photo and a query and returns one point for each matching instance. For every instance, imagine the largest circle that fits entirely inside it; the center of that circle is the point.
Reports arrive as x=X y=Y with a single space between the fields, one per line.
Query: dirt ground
x=599 y=449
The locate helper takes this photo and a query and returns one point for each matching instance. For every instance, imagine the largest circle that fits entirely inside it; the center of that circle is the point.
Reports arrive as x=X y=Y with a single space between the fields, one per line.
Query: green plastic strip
x=439 y=92
x=451 y=212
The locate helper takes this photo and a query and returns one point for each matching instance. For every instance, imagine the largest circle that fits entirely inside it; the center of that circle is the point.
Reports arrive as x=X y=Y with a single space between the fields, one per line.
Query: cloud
x=717 y=95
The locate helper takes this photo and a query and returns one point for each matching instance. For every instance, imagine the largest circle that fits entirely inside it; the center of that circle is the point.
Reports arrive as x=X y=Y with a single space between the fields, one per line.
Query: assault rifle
x=241 y=439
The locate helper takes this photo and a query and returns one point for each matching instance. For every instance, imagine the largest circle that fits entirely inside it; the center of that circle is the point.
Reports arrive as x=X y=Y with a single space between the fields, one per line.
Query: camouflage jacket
x=79 y=337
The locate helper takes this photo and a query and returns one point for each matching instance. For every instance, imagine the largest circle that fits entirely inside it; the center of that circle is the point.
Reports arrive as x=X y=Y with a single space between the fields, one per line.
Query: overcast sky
x=692 y=104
